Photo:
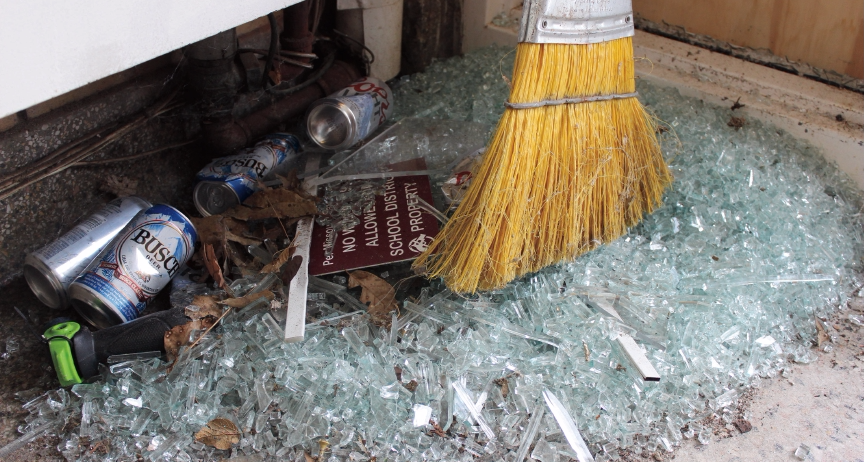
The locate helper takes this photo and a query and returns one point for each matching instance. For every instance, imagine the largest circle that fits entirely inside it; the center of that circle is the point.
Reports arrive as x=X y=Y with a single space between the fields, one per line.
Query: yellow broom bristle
x=555 y=181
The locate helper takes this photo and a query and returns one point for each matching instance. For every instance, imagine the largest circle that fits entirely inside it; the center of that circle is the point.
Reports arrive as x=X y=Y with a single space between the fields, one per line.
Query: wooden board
x=828 y=35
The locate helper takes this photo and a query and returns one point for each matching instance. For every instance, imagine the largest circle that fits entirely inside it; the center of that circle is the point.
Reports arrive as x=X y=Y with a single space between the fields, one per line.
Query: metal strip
x=638 y=358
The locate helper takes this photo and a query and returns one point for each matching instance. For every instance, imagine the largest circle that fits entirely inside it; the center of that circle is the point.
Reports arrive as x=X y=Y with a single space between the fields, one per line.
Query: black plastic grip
x=143 y=334
x=146 y=333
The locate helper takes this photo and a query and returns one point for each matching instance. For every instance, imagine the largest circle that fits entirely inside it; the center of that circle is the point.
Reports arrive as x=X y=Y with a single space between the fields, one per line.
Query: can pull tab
x=59 y=338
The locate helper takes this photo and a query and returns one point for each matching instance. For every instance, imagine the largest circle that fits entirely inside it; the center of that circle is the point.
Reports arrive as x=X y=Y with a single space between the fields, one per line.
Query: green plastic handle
x=60 y=344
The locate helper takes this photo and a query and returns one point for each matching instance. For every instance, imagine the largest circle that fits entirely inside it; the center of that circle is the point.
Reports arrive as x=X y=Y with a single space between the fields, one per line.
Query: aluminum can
x=116 y=287
x=350 y=115
x=228 y=181
x=51 y=269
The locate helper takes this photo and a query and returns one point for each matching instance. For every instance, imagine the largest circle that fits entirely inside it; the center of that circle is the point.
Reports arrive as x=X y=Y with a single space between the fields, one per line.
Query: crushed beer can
x=50 y=270
x=116 y=287
x=228 y=181
x=350 y=115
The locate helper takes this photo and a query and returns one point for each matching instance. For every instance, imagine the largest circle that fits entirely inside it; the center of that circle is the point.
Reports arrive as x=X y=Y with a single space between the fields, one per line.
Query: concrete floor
x=820 y=404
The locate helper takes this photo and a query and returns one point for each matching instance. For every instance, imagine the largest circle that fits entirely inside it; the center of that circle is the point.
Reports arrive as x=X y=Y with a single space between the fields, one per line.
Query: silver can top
x=213 y=197
x=44 y=284
x=332 y=125
x=93 y=308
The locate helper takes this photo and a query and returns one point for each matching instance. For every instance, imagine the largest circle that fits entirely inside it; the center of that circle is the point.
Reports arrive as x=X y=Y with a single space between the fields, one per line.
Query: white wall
x=48 y=48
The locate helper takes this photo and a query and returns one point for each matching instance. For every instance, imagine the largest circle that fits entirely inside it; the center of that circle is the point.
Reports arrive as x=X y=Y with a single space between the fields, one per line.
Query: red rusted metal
x=296 y=34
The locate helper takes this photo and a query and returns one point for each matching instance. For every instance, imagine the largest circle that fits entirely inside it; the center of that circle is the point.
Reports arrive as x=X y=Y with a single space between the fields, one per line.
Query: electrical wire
x=281 y=53
x=328 y=62
x=274 y=48
x=281 y=57
x=363 y=47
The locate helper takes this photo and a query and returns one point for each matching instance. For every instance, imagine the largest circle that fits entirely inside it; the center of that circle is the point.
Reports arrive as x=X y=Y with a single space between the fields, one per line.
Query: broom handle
x=577 y=22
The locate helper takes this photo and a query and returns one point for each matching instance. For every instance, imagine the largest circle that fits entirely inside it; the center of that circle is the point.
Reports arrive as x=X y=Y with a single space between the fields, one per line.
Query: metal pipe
x=213 y=74
x=226 y=136
x=296 y=35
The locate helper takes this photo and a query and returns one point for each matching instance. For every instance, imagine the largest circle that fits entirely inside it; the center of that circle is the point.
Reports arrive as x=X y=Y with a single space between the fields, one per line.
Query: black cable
x=362 y=46
x=274 y=48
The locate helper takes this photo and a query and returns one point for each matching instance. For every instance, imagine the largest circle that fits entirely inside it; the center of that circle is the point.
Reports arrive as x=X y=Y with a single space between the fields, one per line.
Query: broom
x=574 y=161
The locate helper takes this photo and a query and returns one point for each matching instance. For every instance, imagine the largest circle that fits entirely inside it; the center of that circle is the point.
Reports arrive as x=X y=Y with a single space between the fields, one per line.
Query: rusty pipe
x=227 y=136
x=213 y=73
x=296 y=34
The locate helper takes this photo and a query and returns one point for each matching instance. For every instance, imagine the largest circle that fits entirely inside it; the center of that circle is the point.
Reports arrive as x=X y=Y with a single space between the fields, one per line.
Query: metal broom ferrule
x=577 y=22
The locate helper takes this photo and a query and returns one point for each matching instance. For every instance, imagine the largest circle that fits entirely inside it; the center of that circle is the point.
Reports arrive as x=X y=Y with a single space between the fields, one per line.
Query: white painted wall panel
x=48 y=48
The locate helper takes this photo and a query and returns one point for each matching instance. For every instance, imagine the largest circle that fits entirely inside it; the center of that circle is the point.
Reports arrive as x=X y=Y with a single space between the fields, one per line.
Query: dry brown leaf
x=268 y=197
x=175 y=338
x=821 y=335
x=206 y=306
x=236 y=257
x=226 y=269
x=101 y=446
x=504 y=385
x=209 y=229
x=378 y=293
x=213 y=229
x=275 y=75
x=436 y=429
x=240 y=239
x=213 y=267
x=278 y=232
x=275 y=265
x=219 y=433
x=119 y=186
x=290 y=180
x=283 y=210
x=290 y=270
x=292 y=183
x=272 y=203
x=203 y=314
x=178 y=336
x=240 y=302
x=309 y=458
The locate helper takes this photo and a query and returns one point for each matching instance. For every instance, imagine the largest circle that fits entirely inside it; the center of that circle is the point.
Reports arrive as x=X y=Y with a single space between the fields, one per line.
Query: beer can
x=350 y=115
x=51 y=269
x=228 y=181
x=116 y=287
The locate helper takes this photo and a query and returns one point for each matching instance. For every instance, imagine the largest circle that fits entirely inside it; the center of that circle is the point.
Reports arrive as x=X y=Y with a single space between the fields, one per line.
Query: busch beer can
x=51 y=269
x=116 y=287
x=228 y=181
x=349 y=115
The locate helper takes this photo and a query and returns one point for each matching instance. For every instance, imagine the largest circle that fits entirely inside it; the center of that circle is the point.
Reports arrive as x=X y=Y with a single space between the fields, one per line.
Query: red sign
x=396 y=229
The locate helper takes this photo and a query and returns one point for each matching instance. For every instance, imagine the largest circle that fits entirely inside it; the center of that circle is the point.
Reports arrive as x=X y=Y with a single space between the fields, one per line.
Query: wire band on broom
x=557 y=102
x=557 y=179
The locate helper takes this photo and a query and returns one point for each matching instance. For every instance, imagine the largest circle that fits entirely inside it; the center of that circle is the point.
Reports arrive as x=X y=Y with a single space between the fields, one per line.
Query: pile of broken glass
x=723 y=286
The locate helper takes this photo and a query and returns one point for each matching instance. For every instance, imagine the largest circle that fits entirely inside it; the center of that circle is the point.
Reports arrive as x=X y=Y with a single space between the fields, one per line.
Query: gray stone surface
x=40 y=213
